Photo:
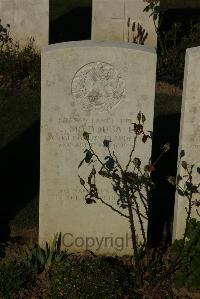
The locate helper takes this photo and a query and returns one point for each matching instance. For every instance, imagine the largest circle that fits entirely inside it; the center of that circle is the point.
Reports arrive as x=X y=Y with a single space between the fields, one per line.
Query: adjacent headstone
x=98 y=87
x=189 y=139
x=114 y=20
x=27 y=18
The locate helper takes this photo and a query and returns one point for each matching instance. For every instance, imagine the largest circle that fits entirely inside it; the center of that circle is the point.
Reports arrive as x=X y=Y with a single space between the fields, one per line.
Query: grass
x=167 y=104
x=82 y=277
x=92 y=278
x=74 y=277
x=19 y=109
x=25 y=224
x=27 y=217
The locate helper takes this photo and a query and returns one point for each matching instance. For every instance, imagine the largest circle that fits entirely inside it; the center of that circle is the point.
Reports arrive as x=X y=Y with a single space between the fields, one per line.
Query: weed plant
x=19 y=67
x=153 y=268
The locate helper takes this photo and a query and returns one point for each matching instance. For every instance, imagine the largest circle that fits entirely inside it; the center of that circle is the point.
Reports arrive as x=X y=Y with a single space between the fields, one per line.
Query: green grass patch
x=15 y=278
x=75 y=277
x=92 y=278
x=167 y=104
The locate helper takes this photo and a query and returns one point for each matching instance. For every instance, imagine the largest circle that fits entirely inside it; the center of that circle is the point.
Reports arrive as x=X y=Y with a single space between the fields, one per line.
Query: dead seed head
x=171 y=180
x=86 y=136
x=166 y=147
x=184 y=164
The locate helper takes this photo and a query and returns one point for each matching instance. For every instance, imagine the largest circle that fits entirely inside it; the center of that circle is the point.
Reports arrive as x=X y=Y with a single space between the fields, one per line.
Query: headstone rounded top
x=98 y=44
x=98 y=86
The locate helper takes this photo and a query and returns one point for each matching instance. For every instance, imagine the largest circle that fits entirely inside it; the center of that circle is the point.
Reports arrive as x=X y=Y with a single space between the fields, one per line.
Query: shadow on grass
x=166 y=130
x=19 y=176
x=73 y=26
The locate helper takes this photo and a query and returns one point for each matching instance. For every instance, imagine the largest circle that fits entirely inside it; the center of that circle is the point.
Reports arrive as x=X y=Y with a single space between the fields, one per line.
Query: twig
x=142 y=215
x=131 y=154
x=140 y=220
x=103 y=165
x=112 y=208
x=142 y=197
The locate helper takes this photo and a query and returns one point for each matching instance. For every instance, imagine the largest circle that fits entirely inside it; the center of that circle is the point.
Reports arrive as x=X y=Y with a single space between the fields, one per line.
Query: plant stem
x=140 y=221
x=112 y=208
x=134 y=244
x=132 y=151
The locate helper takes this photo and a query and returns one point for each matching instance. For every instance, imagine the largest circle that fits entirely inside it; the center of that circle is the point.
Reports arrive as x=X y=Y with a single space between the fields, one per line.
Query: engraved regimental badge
x=98 y=86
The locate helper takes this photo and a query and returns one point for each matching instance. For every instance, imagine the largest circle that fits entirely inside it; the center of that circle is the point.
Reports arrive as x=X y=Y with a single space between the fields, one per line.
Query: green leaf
x=58 y=247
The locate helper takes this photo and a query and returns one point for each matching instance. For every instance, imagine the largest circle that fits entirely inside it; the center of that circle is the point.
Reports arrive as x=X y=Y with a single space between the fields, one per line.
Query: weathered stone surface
x=27 y=19
x=98 y=87
x=110 y=18
x=189 y=139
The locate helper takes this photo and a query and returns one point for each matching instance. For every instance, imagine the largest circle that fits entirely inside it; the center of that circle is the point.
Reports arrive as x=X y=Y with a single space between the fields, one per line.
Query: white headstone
x=98 y=87
x=27 y=18
x=110 y=20
x=189 y=139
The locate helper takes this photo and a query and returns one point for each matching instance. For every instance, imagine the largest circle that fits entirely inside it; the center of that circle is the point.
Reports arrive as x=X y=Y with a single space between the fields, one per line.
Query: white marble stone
x=110 y=17
x=27 y=18
x=189 y=139
x=97 y=87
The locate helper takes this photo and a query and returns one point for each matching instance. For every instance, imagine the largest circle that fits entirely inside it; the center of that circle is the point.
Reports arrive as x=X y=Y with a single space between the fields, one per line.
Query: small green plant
x=153 y=269
x=131 y=184
x=188 y=272
x=42 y=259
x=18 y=67
x=5 y=39
x=185 y=252
x=171 y=52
